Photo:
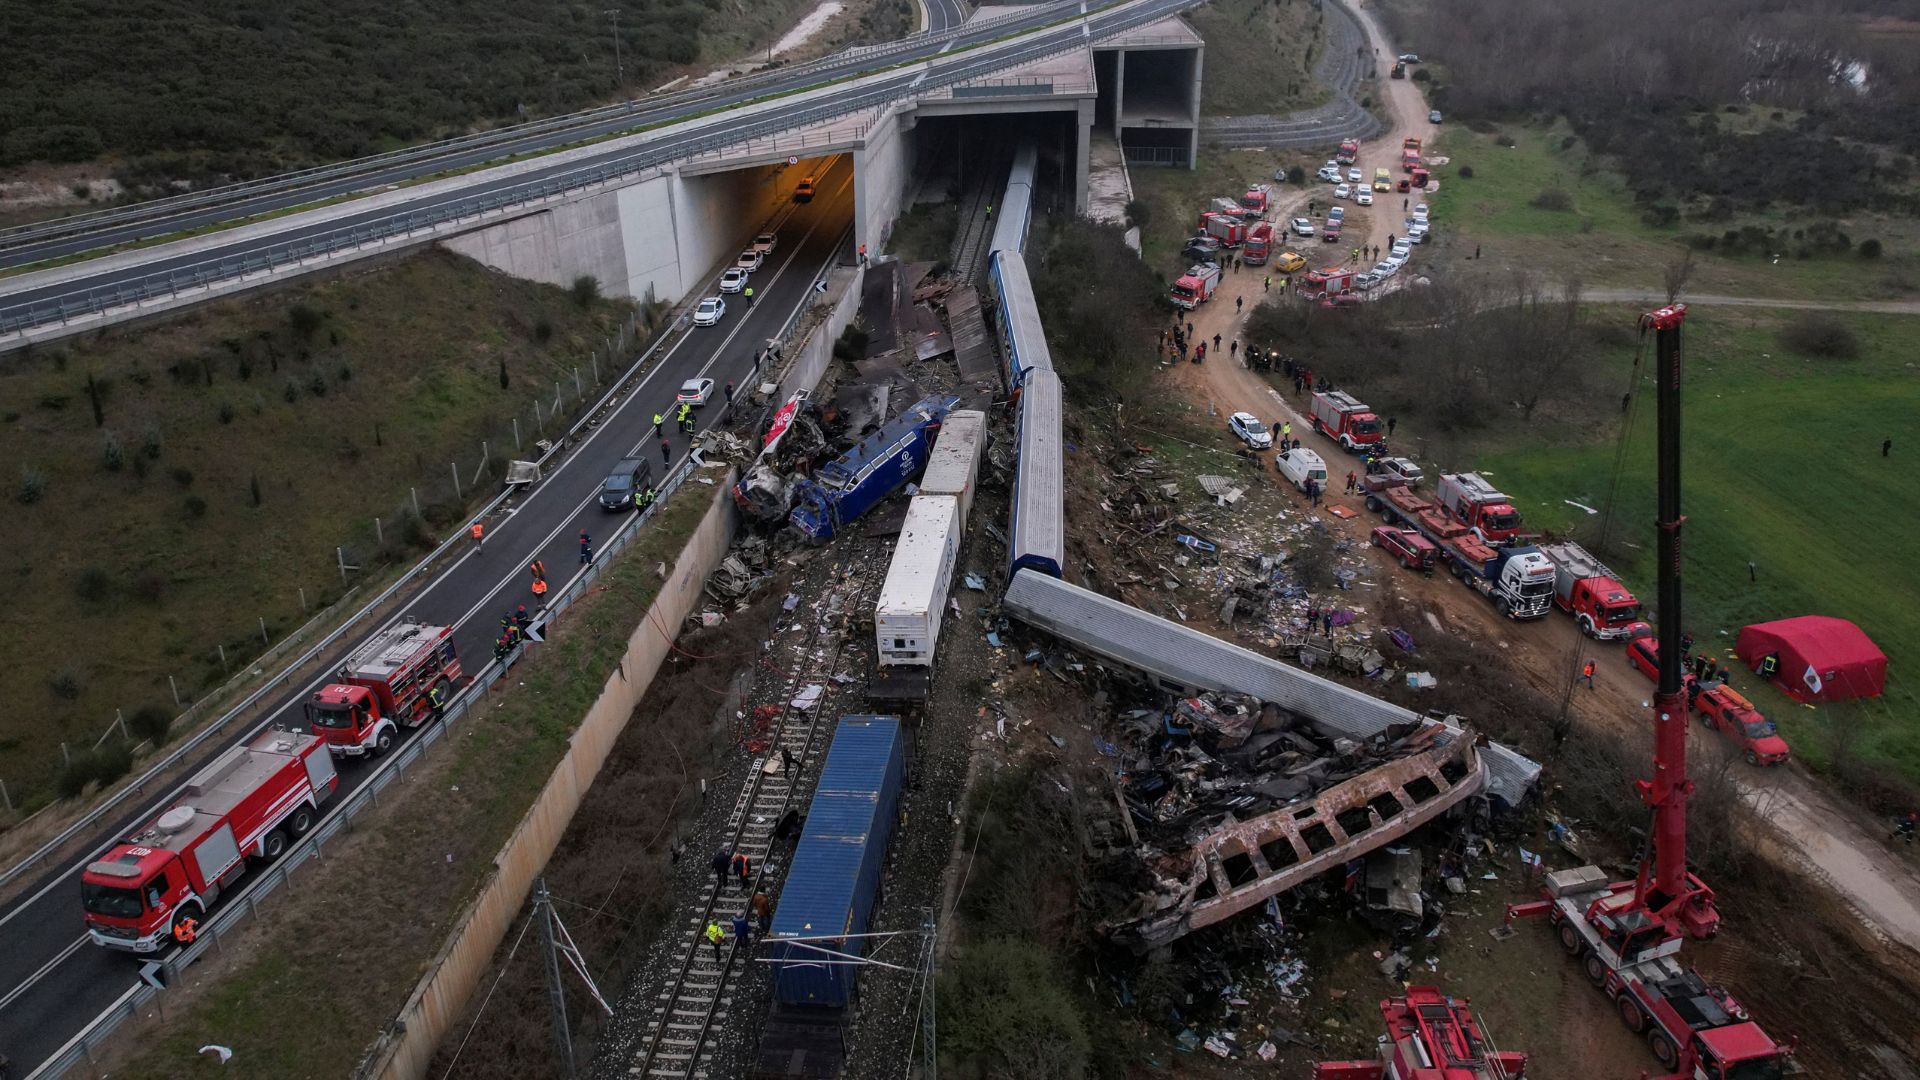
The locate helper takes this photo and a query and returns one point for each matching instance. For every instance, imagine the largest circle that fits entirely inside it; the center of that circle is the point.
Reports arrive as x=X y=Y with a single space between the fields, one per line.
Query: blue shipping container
x=830 y=888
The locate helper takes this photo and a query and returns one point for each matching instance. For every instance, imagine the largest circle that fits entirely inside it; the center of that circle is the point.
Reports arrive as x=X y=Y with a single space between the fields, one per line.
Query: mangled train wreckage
x=1263 y=776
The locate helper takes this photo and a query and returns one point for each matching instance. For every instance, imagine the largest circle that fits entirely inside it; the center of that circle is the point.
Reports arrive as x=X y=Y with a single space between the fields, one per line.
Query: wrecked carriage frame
x=1240 y=864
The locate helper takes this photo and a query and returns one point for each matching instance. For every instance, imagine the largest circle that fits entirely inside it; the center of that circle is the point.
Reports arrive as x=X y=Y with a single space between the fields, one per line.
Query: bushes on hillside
x=1820 y=334
x=1101 y=306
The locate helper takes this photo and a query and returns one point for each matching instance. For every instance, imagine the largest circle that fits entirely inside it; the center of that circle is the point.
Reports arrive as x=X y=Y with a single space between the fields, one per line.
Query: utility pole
x=619 y=68
x=556 y=993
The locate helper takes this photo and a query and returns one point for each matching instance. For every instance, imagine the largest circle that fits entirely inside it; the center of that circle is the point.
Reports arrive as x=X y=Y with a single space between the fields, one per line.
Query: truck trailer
x=399 y=678
x=153 y=888
x=1518 y=580
x=1584 y=588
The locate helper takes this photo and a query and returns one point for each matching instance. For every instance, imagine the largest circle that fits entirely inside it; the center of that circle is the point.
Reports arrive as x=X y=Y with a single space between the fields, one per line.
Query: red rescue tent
x=1820 y=658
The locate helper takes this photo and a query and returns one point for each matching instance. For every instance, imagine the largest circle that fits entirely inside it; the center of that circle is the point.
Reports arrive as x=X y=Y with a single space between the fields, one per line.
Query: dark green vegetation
x=1101 y=307
x=1731 y=107
x=170 y=90
x=1260 y=54
x=423 y=856
x=1786 y=412
x=172 y=486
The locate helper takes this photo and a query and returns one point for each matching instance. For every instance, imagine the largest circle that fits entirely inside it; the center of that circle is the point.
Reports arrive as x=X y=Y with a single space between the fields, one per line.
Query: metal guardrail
x=81 y=303
x=115 y=217
x=245 y=905
x=118 y=799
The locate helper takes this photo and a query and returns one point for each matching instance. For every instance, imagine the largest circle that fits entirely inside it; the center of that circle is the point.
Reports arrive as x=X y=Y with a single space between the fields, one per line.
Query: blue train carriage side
x=1039 y=496
x=834 y=880
x=879 y=465
x=1023 y=341
x=1010 y=218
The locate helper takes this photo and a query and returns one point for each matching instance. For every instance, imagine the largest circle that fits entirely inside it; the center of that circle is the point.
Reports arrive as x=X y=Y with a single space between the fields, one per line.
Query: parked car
x=630 y=477
x=1354 y=175
x=1408 y=547
x=803 y=191
x=1340 y=300
x=1329 y=173
x=733 y=280
x=1367 y=281
x=749 y=261
x=1385 y=269
x=1202 y=249
x=1724 y=709
x=1363 y=197
x=1401 y=248
x=764 y=243
x=1343 y=192
x=1420 y=211
x=1331 y=234
x=1338 y=213
x=1250 y=430
x=695 y=391
x=1643 y=655
x=1417 y=234
x=1300 y=465
x=709 y=311
x=1409 y=58
x=1289 y=261
x=1392 y=263
x=1433 y=117
x=1302 y=227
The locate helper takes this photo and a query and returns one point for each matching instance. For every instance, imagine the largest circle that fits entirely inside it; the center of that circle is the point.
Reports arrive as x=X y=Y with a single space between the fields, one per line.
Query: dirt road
x=1837 y=844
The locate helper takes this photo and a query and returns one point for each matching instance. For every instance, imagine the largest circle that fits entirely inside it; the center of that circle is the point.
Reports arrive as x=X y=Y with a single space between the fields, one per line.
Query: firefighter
x=1769 y=665
x=657 y=421
x=586 y=548
x=646 y=498
x=501 y=647
x=1586 y=672
x=522 y=620
x=743 y=868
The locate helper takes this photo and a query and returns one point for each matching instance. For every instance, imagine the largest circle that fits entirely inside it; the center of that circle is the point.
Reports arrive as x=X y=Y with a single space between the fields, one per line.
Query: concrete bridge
x=663 y=195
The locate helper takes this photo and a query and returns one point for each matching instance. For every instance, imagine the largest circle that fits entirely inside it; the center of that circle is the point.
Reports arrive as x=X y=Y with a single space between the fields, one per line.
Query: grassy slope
x=1783 y=468
x=422 y=342
x=418 y=860
x=1263 y=54
x=1602 y=239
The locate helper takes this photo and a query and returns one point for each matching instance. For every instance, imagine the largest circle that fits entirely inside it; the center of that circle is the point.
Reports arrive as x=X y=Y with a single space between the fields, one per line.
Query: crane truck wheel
x=1570 y=939
x=274 y=846
x=1630 y=1013
x=300 y=821
x=1596 y=970
x=1663 y=1049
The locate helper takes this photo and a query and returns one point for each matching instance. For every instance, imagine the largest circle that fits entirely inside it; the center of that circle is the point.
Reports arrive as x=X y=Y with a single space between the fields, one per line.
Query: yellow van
x=1288 y=262
x=1382 y=180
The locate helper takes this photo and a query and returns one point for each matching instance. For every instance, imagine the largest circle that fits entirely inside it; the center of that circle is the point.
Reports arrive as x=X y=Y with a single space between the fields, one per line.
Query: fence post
x=303 y=600
x=340 y=555
x=379 y=534
x=176 y=690
x=415 y=494
x=455 y=466
x=264 y=640
x=223 y=657
x=577 y=391
x=516 y=434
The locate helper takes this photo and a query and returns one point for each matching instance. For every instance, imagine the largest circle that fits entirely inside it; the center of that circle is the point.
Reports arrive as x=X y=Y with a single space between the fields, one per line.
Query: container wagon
x=906 y=619
x=953 y=468
x=828 y=898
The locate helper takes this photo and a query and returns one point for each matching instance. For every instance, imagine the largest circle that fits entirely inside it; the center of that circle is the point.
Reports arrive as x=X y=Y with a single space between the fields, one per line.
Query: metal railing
x=404 y=225
x=139 y=786
x=245 y=904
x=117 y=217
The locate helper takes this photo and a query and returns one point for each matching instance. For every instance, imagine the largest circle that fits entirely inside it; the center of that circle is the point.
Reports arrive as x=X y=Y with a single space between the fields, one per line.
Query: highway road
x=943 y=14
x=24 y=303
x=53 y=982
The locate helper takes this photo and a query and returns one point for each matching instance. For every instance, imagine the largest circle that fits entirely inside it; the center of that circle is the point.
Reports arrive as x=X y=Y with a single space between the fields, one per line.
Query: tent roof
x=1823 y=641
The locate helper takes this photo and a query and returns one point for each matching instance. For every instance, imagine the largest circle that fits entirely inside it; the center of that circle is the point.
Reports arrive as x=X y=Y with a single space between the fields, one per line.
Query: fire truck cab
x=403 y=676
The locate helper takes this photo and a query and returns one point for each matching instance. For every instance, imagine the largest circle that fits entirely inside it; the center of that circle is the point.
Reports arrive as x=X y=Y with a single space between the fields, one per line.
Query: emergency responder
x=522 y=620
x=539 y=571
x=586 y=548
x=437 y=697
x=478 y=532
x=500 y=649
x=1586 y=672
x=657 y=421
x=715 y=936
x=646 y=498
x=743 y=868
x=1770 y=665
x=748 y=292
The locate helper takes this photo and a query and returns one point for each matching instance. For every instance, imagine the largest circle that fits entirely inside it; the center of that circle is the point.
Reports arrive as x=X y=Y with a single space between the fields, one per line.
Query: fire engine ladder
x=698 y=996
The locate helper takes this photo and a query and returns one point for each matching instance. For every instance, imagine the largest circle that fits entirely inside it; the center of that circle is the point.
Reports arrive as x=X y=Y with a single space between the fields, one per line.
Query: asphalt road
x=943 y=14
x=14 y=295
x=57 y=982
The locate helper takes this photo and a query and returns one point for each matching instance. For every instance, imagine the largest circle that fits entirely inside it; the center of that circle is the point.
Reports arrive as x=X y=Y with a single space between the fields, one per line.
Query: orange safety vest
x=477 y=530
x=185 y=930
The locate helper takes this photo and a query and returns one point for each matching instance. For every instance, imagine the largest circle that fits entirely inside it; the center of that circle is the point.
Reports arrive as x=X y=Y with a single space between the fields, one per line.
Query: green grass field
x=1602 y=240
x=249 y=444
x=1782 y=468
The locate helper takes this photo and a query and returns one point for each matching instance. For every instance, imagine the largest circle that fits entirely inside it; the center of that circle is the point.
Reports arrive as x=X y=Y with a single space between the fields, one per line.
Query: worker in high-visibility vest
x=657 y=421
x=715 y=936
x=478 y=532
x=748 y=292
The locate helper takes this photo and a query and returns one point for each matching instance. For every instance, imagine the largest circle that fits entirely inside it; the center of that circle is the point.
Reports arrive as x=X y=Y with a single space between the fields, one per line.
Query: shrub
x=182 y=475
x=113 y=455
x=150 y=440
x=150 y=586
x=503 y=373
x=66 y=684
x=102 y=766
x=585 y=291
x=542 y=332
x=1422 y=75
x=1869 y=248
x=152 y=723
x=306 y=320
x=226 y=412
x=1820 y=334
x=1567 y=142
x=93 y=584
x=1297 y=175
x=1140 y=212
x=1553 y=199
x=33 y=486
x=318 y=384
x=195 y=506
x=1661 y=216
x=1466 y=172
x=291 y=392
x=1503 y=140
x=1009 y=1010
x=345 y=374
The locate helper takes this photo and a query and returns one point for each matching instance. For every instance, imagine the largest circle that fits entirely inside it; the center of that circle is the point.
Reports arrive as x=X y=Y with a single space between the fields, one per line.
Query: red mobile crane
x=1626 y=934
x=1430 y=1036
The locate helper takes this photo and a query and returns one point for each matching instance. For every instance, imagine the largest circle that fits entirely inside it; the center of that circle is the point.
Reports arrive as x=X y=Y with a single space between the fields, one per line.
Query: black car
x=628 y=480
x=1202 y=249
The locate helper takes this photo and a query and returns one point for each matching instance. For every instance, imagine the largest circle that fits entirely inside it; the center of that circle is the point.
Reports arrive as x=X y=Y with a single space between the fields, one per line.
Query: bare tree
x=1677 y=273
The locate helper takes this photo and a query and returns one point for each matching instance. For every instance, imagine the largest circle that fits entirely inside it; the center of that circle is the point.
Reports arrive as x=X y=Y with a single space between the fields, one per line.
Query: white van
x=1300 y=465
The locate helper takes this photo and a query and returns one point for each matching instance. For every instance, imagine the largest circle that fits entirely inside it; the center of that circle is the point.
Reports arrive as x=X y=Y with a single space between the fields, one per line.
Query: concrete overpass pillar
x=1119 y=89
x=1082 y=156
x=1193 y=138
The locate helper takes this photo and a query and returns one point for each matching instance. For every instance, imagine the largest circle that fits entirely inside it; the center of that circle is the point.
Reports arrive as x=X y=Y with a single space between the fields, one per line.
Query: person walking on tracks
x=762 y=909
x=715 y=936
x=721 y=860
x=743 y=867
x=742 y=931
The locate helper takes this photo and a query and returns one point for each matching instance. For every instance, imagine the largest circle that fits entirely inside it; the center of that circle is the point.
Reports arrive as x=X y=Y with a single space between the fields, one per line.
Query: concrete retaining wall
x=880 y=173
x=445 y=992
x=817 y=351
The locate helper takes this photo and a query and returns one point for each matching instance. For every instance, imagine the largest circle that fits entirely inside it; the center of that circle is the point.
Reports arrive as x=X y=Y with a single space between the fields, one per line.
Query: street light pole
x=619 y=68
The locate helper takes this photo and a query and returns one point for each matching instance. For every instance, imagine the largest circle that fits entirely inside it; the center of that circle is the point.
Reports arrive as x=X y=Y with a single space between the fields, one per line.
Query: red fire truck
x=1346 y=420
x=401 y=677
x=1479 y=506
x=1584 y=588
x=1259 y=246
x=1196 y=286
x=1349 y=152
x=155 y=887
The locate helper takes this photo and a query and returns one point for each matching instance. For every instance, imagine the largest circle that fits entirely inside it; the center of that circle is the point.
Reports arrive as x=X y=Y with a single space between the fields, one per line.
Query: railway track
x=975 y=230
x=698 y=997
